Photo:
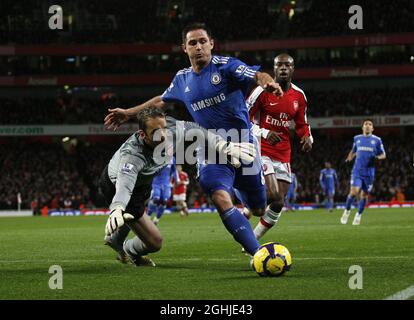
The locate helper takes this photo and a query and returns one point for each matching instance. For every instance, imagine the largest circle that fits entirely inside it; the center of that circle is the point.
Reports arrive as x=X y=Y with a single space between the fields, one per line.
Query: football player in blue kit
x=366 y=149
x=213 y=90
x=161 y=191
x=328 y=180
x=291 y=194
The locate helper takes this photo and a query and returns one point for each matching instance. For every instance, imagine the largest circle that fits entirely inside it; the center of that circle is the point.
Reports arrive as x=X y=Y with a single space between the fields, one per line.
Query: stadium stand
x=102 y=21
x=142 y=64
x=52 y=175
x=42 y=173
x=69 y=109
x=47 y=174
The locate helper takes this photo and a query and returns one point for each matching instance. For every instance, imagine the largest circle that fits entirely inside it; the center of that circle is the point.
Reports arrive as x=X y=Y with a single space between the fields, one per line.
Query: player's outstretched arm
x=306 y=142
x=274 y=137
x=336 y=179
x=271 y=136
x=235 y=152
x=350 y=157
x=118 y=116
x=382 y=156
x=117 y=219
x=129 y=166
x=302 y=126
x=264 y=80
x=321 y=181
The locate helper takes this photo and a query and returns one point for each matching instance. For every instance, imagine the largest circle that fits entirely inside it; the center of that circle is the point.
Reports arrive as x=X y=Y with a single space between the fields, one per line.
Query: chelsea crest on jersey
x=215 y=97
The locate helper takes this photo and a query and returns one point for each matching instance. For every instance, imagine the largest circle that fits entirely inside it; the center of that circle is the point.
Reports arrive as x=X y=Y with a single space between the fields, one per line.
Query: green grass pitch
x=200 y=260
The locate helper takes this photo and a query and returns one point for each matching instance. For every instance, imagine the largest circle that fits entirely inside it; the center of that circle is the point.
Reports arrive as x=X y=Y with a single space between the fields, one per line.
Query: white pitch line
x=355 y=258
x=402 y=295
x=203 y=259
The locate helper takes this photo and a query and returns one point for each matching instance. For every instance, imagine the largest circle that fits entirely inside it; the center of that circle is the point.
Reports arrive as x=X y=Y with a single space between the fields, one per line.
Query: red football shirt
x=182 y=184
x=274 y=113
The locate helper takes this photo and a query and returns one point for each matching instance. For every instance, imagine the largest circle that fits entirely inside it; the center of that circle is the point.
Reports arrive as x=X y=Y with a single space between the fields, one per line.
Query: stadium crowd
x=57 y=177
x=169 y=63
x=69 y=109
x=132 y=21
x=65 y=109
x=361 y=102
x=44 y=175
x=50 y=175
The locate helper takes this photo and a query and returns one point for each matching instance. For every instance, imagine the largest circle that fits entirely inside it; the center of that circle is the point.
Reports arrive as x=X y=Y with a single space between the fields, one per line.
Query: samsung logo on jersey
x=208 y=102
x=365 y=149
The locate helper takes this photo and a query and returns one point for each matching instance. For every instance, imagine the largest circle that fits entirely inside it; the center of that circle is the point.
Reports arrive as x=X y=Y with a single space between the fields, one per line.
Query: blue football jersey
x=165 y=175
x=328 y=178
x=216 y=97
x=293 y=185
x=366 y=149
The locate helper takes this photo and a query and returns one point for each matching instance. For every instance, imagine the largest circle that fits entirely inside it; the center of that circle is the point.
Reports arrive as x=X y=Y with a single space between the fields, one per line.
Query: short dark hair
x=368 y=119
x=148 y=113
x=195 y=26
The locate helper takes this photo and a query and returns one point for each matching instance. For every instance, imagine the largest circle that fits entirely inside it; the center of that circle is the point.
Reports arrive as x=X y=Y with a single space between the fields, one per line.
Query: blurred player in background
x=365 y=149
x=272 y=116
x=180 y=190
x=213 y=90
x=291 y=194
x=161 y=191
x=328 y=180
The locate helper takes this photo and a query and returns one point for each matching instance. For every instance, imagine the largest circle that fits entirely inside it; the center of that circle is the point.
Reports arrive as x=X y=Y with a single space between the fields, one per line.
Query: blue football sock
x=152 y=207
x=160 y=210
x=348 y=202
x=237 y=224
x=287 y=203
x=361 y=205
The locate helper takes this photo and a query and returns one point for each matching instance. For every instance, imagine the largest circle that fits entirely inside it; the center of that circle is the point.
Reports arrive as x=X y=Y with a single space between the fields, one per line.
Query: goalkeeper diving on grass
x=126 y=181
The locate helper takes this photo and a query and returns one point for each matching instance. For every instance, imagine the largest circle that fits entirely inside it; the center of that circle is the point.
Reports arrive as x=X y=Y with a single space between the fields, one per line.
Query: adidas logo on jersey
x=187 y=89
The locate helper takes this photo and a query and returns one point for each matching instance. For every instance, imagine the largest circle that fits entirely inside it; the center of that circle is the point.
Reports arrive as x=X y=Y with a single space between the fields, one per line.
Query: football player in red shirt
x=271 y=117
x=180 y=191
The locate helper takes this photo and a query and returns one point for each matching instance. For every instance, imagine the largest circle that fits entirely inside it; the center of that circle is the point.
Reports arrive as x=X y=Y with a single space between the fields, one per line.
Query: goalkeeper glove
x=116 y=220
x=236 y=152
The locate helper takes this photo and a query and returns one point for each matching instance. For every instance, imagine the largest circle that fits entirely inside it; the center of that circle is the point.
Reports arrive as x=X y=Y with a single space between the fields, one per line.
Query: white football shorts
x=179 y=197
x=281 y=169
